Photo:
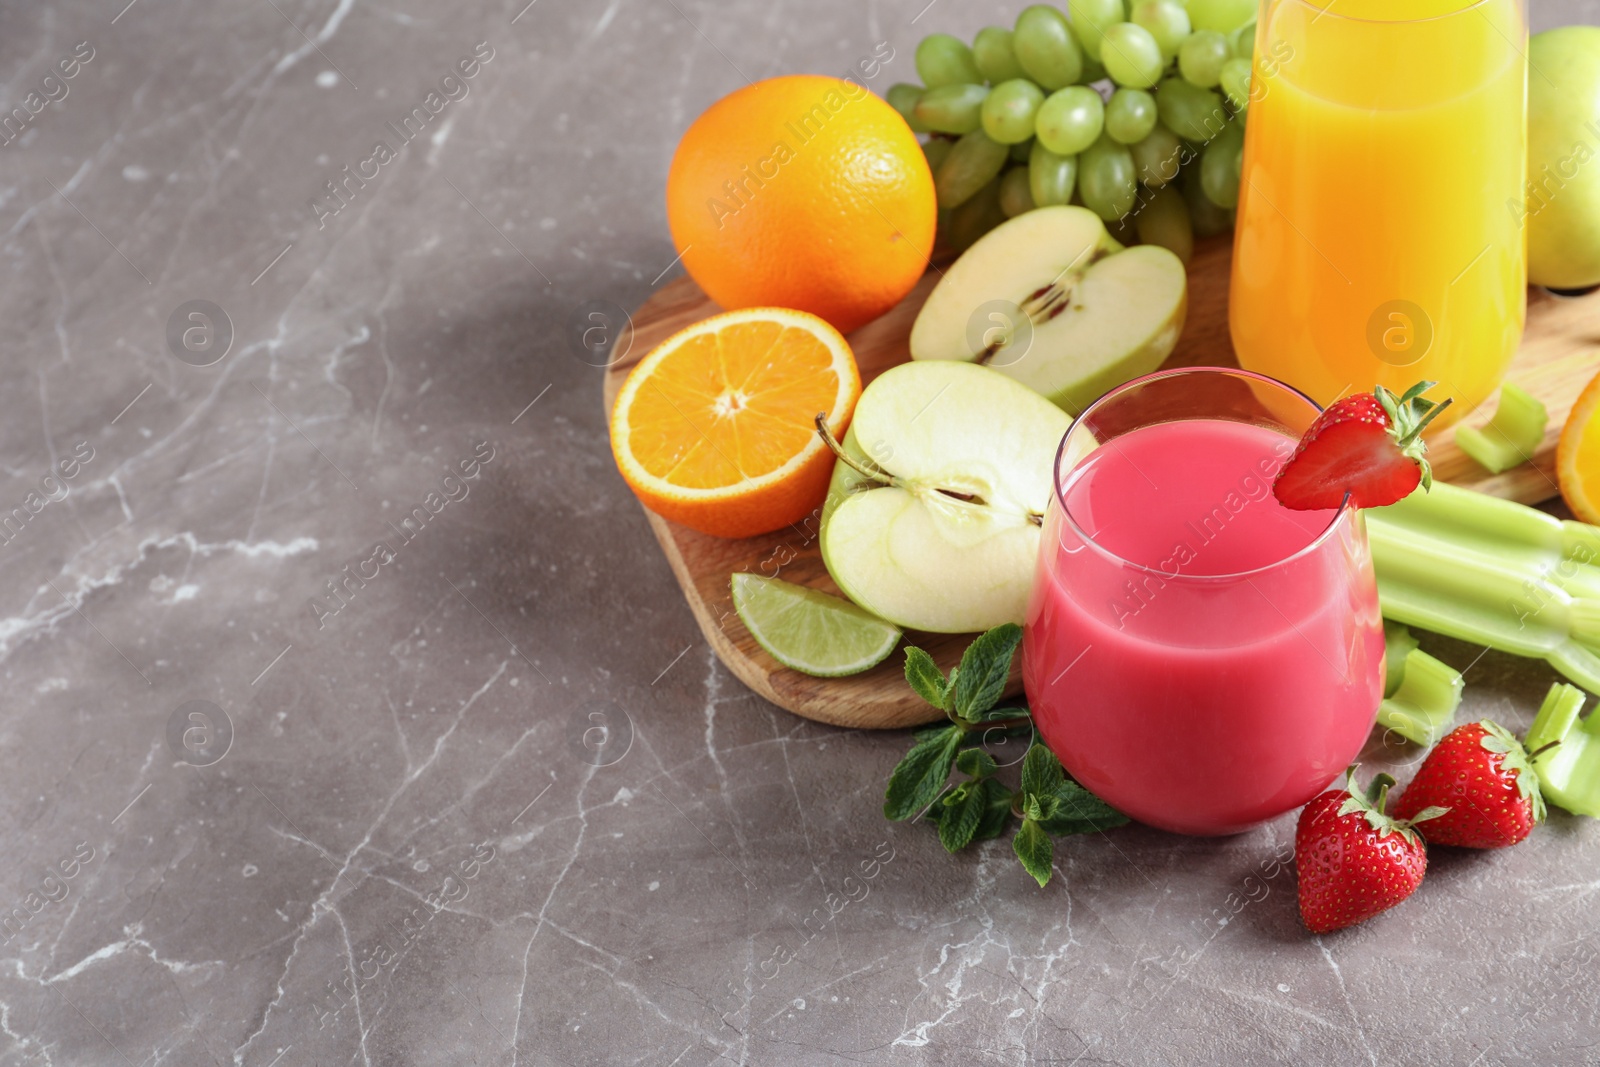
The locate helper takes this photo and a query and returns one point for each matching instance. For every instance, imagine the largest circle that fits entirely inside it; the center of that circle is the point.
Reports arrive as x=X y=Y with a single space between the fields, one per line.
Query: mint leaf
x=918 y=778
x=996 y=810
x=1033 y=848
x=1078 y=811
x=962 y=812
x=925 y=677
x=998 y=714
x=1041 y=772
x=985 y=668
x=976 y=763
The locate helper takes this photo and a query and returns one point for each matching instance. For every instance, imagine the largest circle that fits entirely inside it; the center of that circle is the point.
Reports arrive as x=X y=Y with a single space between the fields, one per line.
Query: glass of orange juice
x=1378 y=237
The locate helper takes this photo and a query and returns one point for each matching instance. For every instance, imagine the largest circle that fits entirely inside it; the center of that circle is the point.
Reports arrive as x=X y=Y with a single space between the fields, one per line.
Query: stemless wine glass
x=1198 y=655
x=1379 y=235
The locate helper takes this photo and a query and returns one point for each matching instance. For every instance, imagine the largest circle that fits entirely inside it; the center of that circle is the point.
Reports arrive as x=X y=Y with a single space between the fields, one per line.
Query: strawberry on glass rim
x=1368 y=446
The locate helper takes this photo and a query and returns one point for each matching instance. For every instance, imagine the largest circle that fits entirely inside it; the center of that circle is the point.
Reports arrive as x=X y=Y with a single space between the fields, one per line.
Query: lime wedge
x=810 y=631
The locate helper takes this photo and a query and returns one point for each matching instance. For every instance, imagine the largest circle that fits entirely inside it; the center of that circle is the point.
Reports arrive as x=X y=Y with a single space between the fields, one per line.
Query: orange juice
x=1378 y=239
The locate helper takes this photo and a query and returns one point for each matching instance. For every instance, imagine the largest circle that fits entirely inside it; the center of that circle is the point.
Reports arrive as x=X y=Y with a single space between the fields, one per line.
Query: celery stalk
x=1512 y=533
x=1440 y=586
x=1397 y=645
x=1492 y=572
x=1580 y=547
x=1511 y=437
x=1569 y=773
x=1425 y=692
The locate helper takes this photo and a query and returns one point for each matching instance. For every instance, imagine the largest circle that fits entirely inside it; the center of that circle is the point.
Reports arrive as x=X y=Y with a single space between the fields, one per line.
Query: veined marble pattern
x=361 y=519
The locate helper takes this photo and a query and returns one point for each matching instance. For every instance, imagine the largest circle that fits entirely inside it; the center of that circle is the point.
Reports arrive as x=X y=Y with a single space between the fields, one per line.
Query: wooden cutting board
x=1560 y=352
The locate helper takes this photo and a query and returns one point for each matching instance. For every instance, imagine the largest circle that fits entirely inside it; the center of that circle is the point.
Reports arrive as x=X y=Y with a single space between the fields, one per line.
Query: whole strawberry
x=1353 y=860
x=1368 y=445
x=1487 y=780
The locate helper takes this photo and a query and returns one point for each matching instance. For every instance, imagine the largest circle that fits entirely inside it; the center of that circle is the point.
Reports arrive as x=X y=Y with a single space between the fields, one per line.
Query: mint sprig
x=980 y=807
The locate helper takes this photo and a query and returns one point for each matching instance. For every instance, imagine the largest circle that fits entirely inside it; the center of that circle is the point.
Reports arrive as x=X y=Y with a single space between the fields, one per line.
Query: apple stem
x=880 y=476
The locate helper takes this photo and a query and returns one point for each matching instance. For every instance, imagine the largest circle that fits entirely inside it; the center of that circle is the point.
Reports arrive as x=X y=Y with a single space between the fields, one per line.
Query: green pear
x=934 y=512
x=1051 y=299
x=1563 y=202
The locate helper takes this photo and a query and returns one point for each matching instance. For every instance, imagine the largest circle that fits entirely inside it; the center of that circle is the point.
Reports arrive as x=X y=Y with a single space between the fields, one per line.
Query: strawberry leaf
x=1416 y=391
x=1497 y=738
x=1432 y=811
x=1386 y=400
x=1369 y=805
x=1514 y=758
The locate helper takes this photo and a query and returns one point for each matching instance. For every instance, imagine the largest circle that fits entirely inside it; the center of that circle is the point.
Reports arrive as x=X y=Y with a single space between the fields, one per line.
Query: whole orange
x=803 y=192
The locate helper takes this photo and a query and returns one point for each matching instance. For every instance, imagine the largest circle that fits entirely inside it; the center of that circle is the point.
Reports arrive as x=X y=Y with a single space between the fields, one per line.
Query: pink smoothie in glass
x=1198 y=655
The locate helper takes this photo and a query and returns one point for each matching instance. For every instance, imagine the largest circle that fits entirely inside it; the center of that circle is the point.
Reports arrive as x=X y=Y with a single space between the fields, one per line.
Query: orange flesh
x=1578 y=456
x=731 y=406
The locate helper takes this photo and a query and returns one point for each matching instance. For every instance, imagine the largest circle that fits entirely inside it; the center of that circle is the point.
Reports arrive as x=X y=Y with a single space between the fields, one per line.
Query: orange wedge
x=1578 y=455
x=715 y=428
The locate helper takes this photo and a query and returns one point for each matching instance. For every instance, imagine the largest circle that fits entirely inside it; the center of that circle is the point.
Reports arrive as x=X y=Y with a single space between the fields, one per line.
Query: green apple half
x=933 y=515
x=1053 y=300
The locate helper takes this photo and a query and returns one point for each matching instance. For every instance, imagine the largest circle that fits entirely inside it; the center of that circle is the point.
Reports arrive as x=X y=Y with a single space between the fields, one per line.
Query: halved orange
x=1578 y=455
x=715 y=428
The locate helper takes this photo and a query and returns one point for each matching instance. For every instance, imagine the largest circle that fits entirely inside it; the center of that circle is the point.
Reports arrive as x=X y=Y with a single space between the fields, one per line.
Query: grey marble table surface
x=258 y=810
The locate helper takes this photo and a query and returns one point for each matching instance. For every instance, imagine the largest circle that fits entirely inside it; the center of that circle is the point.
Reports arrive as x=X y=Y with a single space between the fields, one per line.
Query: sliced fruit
x=1367 y=446
x=1578 y=455
x=715 y=427
x=933 y=517
x=810 y=631
x=1089 y=313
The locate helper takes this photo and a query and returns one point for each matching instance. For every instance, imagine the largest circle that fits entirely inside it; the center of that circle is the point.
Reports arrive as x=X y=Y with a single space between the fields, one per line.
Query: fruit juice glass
x=1195 y=653
x=1378 y=237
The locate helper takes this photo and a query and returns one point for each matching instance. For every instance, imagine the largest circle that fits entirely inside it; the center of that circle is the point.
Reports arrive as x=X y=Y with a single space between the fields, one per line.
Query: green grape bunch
x=1135 y=109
